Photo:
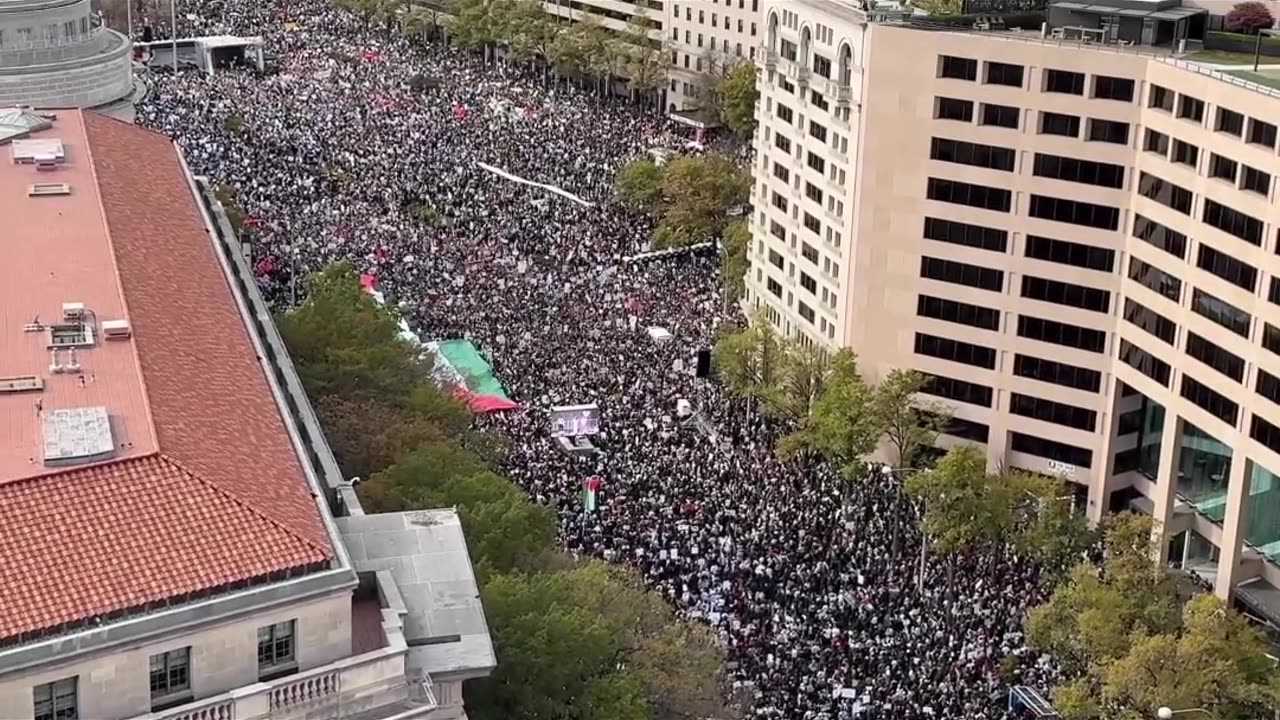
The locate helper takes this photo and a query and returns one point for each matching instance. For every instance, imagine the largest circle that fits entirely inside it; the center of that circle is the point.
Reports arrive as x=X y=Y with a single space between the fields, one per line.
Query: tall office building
x=178 y=542
x=1075 y=241
x=705 y=40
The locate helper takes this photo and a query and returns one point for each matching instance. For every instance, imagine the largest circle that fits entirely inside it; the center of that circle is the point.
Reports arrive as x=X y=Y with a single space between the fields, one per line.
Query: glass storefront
x=1203 y=469
x=1262 y=518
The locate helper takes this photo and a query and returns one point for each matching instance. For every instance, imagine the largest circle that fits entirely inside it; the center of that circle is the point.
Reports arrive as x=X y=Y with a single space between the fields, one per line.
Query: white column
x=1233 y=526
x=1166 y=482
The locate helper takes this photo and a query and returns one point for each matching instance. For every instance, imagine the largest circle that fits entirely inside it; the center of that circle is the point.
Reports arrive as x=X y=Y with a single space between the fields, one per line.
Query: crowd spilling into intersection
x=811 y=578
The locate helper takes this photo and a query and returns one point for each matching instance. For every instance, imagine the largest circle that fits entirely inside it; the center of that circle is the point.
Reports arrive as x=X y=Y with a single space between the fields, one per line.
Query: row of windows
x=1050 y=450
x=1144 y=362
x=1257 y=132
x=1076 y=170
x=958 y=390
x=955 y=351
x=1215 y=357
x=1070 y=253
x=1059 y=333
x=1064 y=293
x=1057 y=373
x=967 y=153
x=960 y=273
x=1155 y=279
x=1105 y=87
x=1168 y=240
x=1149 y=320
x=962 y=193
x=958 y=233
x=1108 y=131
x=170 y=675
x=1210 y=400
x=1075 y=212
x=1233 y=222
x=1164 y=192
x=958 y=312
x=1237 y=273
x=1221 y=312
x=1053 y=412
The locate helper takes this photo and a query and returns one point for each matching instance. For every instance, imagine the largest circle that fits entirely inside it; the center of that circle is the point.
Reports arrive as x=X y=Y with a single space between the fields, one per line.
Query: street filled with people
x=812 y=578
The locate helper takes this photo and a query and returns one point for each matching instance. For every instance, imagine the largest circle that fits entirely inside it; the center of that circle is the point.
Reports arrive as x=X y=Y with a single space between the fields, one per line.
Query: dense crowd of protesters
x=810 y=578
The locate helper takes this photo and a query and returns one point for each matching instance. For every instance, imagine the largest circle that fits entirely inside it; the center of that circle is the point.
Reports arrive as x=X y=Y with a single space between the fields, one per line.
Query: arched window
x=806 y=44
x=844 y=67
x=773 y=31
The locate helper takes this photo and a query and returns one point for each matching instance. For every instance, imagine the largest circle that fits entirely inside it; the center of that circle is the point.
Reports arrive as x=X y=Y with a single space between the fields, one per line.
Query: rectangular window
x=1210 y=400
x=808 y=283
x=958 y=233
x=1170 y=241
x=781 y=172
x=784 y=113
x=1000 y=115
x=813 y=192
x=967 y=153
x=821 y=66
x=1268 y=386
x=1149 y=320
x=275 y=647
x=782 y=142
x=962 y=193
x=57 y=700
x=1057 y=373
x=776 y=230
x=1160 y=97
x=774 y=287
x=1262 y=133
x=1065 y=334
x=170 y=677
x=1053 y=412
x=955 y=351
x=779 y=201
x=816 y=98
x=1108 y=131
x=1064 y=81
x=1215 y=357
x=1222 y=168
x=1222 y=312
x=1233 y=222
x=954 y=109
x=1237 y=273
x=958 y=312
x=957 y=68
x=1075 y=212
x=1144 y=362
x=1050 y=450
x=1155 y=279
x=818 y=131
x=1087 y=172
x=775 y=259
x=816 y=162
x=960 y=273
x=1112 y=88
x=1164 y=192
x=1156 y=142
x=1185 y=153
x=807 y=251
x=1058 y=124
x=1190 y=108
x=999 y=73
x=1230 y=122
x=1070 y=253
x=812 y=224
x=1064 y=293
x=805 y=311
x=1255 y=180
x=1265 y=433
x=966 y=430
x=958 y=390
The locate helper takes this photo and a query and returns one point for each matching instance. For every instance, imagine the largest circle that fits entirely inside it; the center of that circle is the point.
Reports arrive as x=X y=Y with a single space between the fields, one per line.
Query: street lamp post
x=1257 y=46
x=1167 y=713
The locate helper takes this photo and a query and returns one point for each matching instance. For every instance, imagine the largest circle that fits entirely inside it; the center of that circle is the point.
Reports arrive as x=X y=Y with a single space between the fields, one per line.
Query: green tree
x=940 y=7
x=479 y=24
x=698 y=192
x=966 y=507
x=808 y=367
x=645 y=62
x=752 y=362
x=532 y=33
x=734 y=264
x=638 y=185
x=910 y=424
x=842 y=424
x=1128 y=647
x=737 y=99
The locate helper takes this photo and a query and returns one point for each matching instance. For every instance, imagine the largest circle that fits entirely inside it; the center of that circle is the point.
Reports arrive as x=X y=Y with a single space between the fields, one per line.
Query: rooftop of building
x=143 y=455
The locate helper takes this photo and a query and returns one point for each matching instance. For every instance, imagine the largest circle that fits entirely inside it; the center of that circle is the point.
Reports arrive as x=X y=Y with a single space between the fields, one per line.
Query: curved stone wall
x=102 y=77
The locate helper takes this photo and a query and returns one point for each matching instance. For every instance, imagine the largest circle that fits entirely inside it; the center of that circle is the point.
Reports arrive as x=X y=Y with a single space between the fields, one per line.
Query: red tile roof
x=94 y=540
x=225 y=498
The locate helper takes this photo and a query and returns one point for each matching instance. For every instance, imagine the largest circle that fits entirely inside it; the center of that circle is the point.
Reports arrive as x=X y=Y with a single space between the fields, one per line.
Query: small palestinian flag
x=590 y=488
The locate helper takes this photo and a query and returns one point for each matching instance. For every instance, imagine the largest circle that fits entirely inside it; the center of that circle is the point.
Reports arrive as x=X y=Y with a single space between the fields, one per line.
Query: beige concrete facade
x=1078 y=242
x=707 y=37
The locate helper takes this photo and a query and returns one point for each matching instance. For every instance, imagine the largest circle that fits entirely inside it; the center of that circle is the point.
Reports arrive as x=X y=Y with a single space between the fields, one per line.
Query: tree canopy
x=735 y=245
x=1249 y=17
x=1129 y=645
x=738 y=94
x=698 y=191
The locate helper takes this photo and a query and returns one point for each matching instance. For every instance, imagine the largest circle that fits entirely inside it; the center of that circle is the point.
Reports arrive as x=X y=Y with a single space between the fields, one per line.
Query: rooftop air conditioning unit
x=116 y=330
x=45 y=163
x=38 y=189
x=72 y=310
